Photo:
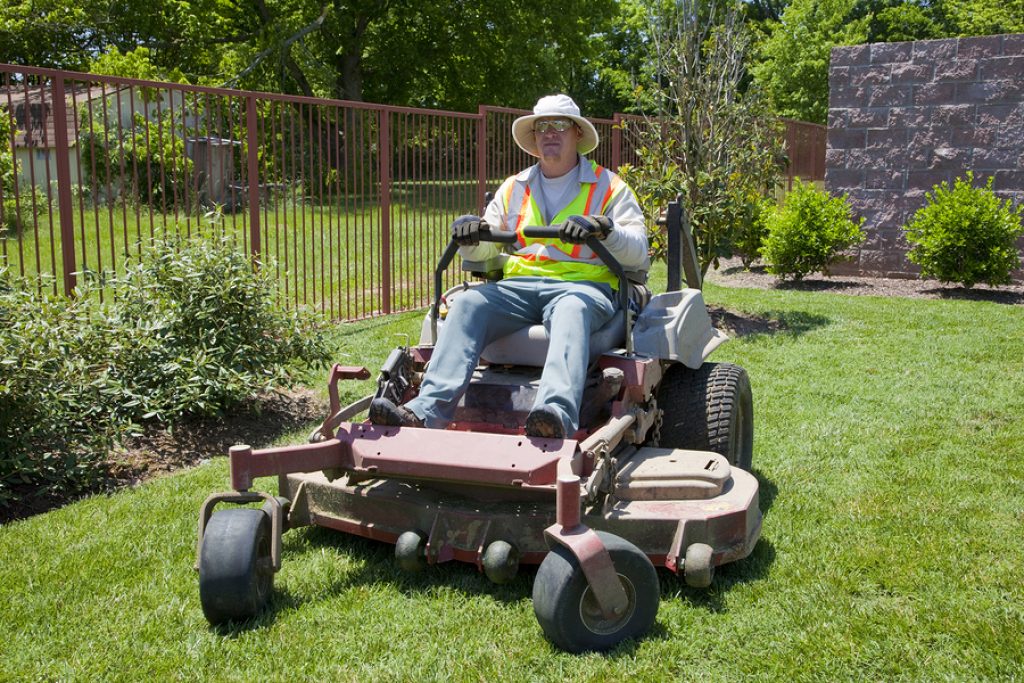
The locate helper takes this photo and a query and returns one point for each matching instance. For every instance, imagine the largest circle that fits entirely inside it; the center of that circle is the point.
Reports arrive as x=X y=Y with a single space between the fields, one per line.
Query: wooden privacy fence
x=347 y=202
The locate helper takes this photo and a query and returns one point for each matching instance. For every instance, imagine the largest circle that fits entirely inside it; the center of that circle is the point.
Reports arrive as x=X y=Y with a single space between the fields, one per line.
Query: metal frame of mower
x=656 y=476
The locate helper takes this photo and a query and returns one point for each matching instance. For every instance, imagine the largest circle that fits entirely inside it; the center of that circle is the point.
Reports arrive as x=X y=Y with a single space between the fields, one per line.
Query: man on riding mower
x=558 y=282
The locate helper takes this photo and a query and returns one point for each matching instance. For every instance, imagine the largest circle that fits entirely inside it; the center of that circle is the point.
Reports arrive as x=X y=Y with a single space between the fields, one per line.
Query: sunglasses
x=560 y=125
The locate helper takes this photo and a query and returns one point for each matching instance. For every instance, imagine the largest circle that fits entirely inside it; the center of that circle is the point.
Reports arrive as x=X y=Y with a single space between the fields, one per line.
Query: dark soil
x=732 y=274
x=161 y=451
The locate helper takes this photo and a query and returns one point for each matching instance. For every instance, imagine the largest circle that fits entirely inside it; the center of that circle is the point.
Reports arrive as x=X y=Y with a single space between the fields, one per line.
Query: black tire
x=501 y=562
x=236 y=574
x=567 y=611
x=708 y=409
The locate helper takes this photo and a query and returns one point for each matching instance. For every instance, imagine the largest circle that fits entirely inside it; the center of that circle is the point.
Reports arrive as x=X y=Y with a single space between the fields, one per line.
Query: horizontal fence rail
x=349 y=203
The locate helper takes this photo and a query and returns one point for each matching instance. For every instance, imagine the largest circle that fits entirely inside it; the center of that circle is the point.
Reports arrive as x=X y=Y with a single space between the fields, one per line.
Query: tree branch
x=304 y=31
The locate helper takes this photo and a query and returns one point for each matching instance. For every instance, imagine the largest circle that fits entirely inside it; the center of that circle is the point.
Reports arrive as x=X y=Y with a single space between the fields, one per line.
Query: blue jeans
x=570 y=311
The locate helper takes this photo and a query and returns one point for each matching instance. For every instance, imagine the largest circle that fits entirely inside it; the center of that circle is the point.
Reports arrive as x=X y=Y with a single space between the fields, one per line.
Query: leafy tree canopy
x=982 y=17
x=792 y=59
x=456 y=54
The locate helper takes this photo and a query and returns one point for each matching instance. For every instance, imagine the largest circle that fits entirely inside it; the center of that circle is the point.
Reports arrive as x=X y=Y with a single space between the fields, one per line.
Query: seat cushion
x=529 y=345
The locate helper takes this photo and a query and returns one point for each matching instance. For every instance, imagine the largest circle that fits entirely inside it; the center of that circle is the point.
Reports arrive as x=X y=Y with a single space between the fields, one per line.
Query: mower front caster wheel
x=501 y=562
x=697 y=569
x=236 y=574
x=569 y=613
x=411 y=551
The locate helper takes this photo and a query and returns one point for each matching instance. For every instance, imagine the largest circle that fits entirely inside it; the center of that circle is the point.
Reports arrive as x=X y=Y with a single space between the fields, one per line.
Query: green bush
x=965 y=234
x=198 y=332
x=809 y=232
x=18 y=215
x=753 y=229
x=192 y=331
x=55 y=393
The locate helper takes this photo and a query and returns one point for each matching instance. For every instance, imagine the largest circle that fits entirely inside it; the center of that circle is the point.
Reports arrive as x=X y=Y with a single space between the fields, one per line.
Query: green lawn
x=889 y=443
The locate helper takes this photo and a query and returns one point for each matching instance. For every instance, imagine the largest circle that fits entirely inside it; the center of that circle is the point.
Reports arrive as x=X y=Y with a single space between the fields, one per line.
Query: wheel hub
x=595 y=621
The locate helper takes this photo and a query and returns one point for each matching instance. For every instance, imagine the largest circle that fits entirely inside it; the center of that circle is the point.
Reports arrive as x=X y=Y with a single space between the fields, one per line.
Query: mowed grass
x=888 y=448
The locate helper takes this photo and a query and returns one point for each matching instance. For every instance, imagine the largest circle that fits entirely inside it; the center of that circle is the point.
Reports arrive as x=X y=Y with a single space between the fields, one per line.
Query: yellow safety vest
x=551 y=257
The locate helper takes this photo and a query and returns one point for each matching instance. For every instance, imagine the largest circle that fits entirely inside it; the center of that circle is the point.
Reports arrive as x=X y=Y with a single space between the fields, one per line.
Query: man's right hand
x=466 y=230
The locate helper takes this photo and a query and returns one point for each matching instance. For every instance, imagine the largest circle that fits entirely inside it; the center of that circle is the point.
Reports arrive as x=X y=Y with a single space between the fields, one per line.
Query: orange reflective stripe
x=590 y=198
x=508 y=193
x=522 y=216
x=613 y=188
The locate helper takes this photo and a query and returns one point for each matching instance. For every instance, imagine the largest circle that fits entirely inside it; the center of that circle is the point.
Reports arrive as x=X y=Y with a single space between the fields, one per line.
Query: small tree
x=965 y=234
x=809 y=232
x=709 y=141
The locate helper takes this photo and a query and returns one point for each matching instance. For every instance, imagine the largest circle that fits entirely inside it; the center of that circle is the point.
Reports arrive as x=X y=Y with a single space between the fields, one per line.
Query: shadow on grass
x=767 y=491
x=740 y=324
x=829 y=285
x=752 y=568
x=994 y=296
x=373 y=563
x=281 y=600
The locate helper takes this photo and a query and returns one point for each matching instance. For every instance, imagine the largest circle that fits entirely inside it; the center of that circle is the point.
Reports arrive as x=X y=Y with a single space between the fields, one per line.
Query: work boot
x=384 y=412
x=545 y=422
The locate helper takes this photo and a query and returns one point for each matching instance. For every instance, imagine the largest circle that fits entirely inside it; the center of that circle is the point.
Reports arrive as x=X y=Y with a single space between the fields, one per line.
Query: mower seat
x=529 y=345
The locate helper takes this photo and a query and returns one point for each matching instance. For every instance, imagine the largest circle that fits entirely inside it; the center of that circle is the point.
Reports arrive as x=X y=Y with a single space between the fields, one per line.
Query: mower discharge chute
x=657 y=475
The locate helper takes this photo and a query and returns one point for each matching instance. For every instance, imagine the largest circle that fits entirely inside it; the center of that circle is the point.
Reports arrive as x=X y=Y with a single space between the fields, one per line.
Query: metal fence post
x=481 y=155
x=252 y=154
x=616 y=140
x=67 y=219
x=384 y=143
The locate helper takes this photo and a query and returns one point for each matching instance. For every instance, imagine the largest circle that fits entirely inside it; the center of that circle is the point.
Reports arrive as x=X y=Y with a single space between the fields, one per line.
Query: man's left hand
x=577 y=229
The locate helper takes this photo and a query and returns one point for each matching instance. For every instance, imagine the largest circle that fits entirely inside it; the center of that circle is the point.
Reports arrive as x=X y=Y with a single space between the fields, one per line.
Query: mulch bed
x=159 y=451
x=731 y=273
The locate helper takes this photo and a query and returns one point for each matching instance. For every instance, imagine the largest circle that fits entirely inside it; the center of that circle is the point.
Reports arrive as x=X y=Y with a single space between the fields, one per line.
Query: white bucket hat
x=553 y=105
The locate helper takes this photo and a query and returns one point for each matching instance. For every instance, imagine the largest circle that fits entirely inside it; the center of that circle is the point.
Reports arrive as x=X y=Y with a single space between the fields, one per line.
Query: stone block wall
x=904 y=117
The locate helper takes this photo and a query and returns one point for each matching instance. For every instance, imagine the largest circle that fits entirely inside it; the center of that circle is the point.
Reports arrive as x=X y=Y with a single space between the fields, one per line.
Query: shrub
x=55 y=393
x=965 y=234
x=809 y=232
x=146 y=160
x=192 y=330
x=199 y=332
x=17 y=215
x=753 y=229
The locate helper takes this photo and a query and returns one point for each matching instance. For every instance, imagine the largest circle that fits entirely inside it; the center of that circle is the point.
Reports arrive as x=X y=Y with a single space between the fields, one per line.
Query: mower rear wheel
x=568 y=612
x=236 y=574
x=708 y=409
